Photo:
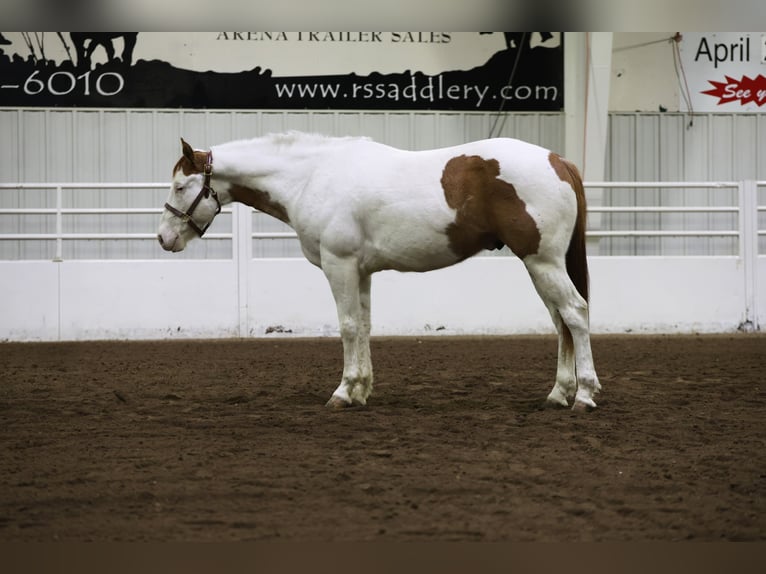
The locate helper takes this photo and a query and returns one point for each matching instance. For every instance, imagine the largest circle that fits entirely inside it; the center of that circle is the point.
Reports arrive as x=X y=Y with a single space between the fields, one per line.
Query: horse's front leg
x=351 y=291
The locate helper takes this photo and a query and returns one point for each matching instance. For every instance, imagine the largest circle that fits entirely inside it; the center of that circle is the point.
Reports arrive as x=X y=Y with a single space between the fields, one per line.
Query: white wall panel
x=193 y=127
x=79 y=300
x=371 y=125
x=115 y=156
x=760 y=291
x=399 y=133
x=29 y=301
x=476 y=126
x=32 y=144
x=450 y=129
x=244 y=125
x=666 y=294
x=760 y=145
x=10 y=143
x=139 y=157
x=58 y=148
x=166 y=143
x=715 y=146
x=147 y=299
x=219 y=128
x=486 y=295
x=273 y=122
x=550 y=133
x=622 y=166
x=483 y=295
x=423 y=131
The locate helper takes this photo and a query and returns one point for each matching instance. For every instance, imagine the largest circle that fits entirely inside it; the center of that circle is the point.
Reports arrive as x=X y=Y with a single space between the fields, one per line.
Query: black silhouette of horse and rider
x=85 y=43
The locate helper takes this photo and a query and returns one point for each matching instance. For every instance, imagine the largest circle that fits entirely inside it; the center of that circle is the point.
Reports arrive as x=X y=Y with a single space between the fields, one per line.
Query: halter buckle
x=208 y=170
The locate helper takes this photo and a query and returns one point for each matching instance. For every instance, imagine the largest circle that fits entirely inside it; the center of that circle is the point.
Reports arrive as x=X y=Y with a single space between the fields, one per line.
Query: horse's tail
x=576 y=260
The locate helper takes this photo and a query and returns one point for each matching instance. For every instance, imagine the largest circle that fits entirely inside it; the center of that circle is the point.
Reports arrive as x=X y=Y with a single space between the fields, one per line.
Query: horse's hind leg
x=560 y=296
x=566 y=381
x=352 y=298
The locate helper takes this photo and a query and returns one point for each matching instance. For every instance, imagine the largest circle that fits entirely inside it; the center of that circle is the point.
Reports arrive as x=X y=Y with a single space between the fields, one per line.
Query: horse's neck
x=261 y=174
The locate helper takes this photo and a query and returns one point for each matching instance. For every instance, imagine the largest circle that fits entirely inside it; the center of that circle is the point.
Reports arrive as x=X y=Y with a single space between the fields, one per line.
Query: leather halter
x=206 y=191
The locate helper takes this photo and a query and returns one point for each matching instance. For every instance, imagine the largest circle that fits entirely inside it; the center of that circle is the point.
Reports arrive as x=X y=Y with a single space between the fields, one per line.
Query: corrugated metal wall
x=680 y=147
x=84 y=145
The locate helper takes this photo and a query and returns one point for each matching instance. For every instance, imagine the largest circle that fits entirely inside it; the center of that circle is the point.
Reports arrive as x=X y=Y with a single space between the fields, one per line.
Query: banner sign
x=511 y=71
x=725 y=71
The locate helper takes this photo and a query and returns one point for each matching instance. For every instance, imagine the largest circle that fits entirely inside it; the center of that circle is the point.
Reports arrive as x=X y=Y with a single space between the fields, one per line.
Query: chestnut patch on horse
x=259 y=200
x=489 y=211
x=559 y=165
x=191 y=161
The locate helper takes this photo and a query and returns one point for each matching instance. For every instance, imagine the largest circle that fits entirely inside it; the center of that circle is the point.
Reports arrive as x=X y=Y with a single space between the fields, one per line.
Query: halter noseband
x=205 y=192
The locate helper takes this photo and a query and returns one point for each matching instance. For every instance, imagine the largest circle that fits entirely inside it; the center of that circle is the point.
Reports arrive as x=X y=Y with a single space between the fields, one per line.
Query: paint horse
x=359 y=207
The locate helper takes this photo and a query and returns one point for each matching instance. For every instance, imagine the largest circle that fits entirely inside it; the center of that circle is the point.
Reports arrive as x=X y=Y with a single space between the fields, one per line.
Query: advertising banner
x=511 y=71
x=725 y=71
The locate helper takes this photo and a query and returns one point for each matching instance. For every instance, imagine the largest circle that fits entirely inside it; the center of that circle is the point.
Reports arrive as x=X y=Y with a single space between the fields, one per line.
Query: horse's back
x=374 y=164
x=421 y=210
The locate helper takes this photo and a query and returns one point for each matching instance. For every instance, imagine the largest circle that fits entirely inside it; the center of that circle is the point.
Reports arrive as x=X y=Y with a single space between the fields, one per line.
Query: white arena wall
x=84 y=300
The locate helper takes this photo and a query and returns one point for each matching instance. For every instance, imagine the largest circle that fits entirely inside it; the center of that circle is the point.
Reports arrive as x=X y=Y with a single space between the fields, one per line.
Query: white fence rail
x=747 y=210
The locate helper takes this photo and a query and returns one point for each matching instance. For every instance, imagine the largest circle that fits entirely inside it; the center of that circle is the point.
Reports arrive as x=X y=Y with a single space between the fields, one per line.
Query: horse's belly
x=409 y=249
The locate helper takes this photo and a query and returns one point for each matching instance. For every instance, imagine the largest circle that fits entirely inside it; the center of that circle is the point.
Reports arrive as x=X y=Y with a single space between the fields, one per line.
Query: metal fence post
x=748 y=250
x=59 y=256
x=242 y=247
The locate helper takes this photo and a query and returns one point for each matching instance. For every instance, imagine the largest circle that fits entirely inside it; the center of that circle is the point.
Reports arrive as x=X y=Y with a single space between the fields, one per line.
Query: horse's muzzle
x=170 y=241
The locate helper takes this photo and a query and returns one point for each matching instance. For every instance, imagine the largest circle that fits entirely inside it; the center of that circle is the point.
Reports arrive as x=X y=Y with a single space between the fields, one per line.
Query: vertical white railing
x=242 y=253
x=59 y=256
x=748 y=250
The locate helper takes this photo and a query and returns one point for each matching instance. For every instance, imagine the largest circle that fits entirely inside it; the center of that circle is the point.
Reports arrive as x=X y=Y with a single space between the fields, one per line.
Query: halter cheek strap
x=206 y=191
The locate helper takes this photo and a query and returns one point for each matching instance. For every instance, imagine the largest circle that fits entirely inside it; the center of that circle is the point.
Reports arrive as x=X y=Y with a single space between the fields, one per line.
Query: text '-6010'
x=63 y=83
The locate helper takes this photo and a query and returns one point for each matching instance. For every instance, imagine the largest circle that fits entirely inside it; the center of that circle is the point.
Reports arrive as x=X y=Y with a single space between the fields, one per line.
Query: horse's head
x=192 y=204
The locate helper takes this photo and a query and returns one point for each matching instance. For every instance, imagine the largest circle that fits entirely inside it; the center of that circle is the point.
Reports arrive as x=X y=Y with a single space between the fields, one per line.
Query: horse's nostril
x=159 y=238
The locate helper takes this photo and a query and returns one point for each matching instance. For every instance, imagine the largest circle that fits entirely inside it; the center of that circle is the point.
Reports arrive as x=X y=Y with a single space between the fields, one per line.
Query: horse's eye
x=179 y=187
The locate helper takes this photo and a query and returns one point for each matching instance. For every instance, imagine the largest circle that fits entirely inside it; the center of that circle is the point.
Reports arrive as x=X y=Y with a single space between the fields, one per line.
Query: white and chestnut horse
x=359 y=207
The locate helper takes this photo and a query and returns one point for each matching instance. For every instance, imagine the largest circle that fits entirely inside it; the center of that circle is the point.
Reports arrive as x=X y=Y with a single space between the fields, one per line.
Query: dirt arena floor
x=230 y=440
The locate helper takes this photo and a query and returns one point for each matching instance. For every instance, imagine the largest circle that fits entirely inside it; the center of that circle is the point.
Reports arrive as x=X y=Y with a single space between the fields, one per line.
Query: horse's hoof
x=557 y=398
x=337 y=403
x=583 y=407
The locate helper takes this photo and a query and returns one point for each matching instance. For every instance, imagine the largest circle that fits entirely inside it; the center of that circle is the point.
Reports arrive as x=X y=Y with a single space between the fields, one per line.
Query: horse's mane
x=292 y=142
x=295 y=137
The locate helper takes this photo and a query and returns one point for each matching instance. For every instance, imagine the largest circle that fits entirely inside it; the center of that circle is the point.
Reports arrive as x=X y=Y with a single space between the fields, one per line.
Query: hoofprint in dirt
x=230 y=440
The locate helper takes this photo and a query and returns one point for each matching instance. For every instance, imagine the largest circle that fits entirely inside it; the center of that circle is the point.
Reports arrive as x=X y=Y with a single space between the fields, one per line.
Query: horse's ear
x=188 y=151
